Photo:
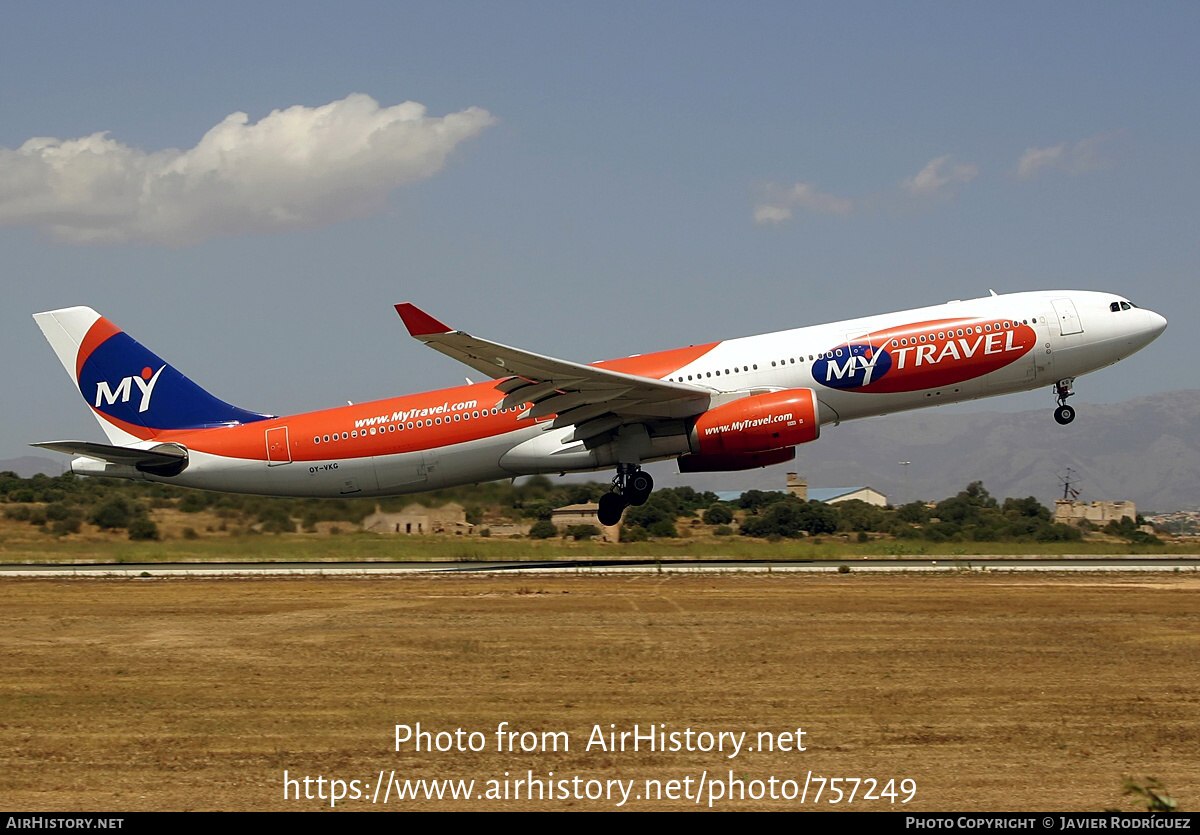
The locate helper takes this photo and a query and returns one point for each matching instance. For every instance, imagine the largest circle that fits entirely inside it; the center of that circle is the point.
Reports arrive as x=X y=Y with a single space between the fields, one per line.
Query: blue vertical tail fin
x=134 y=394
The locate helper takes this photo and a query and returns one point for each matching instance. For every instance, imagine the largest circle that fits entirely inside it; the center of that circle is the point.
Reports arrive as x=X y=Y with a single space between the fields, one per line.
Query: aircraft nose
x=1155 y=324
x=1142 y=333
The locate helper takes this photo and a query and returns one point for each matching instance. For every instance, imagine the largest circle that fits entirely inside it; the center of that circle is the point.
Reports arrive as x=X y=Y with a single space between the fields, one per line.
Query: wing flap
x=512 y=384
x=593 y=428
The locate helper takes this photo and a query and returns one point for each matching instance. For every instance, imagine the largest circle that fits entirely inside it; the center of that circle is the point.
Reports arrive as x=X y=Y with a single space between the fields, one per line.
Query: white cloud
x=780 y=201
x=1037 y=158
x=295 y=168
x=1080 y=158
x=766 y=213
x=935 y=179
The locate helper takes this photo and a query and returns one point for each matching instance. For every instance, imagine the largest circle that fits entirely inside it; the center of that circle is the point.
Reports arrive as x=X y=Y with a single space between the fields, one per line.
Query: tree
x=818 y=518
x=857 y=515
x=718 y=514
x=660 y=507
x=915 y=513
x=792 y=518
x=755 y=500
x=1029 y=507
x=687 y=500
x=967 y=506
x=538 y=509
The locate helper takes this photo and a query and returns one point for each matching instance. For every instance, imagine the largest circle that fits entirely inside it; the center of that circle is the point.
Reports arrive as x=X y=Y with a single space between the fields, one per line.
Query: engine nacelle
x=731 y=463
x=759 y=423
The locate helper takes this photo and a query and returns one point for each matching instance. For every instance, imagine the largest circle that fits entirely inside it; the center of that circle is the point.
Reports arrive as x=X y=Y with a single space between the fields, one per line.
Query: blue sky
x=632 y=176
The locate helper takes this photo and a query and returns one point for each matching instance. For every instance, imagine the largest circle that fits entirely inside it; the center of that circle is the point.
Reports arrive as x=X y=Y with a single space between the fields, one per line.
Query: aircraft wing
x=594 y=399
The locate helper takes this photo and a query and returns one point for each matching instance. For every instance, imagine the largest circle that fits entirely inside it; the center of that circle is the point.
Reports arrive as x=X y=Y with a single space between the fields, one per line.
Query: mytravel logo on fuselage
x=924 y=355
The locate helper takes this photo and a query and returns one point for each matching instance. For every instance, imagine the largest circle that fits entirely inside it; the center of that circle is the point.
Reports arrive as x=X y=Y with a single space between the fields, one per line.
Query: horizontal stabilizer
x=163 y=459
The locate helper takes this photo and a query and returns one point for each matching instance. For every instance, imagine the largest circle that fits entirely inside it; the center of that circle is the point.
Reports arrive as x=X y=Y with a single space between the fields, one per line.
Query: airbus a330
x=731 y=405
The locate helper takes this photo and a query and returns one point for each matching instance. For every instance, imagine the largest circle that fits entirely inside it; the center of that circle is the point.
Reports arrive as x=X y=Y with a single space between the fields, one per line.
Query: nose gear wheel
x=1063 y=414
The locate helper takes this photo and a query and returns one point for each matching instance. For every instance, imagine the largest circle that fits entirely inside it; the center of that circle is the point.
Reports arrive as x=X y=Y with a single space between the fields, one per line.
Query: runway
x=985 y=563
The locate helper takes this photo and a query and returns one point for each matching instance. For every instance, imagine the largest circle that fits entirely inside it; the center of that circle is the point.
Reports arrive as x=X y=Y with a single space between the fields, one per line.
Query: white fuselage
x=861 y=367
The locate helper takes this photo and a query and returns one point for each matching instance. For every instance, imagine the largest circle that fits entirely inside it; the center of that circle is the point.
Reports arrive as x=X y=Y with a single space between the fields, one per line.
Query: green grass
x=373 y=547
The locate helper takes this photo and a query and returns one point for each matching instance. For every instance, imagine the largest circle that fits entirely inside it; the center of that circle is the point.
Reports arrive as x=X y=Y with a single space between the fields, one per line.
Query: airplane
x=721 y=406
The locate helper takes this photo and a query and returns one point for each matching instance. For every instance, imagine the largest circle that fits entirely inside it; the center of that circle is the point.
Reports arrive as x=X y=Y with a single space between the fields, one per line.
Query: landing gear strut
x=631 y=486
x=1063 y=413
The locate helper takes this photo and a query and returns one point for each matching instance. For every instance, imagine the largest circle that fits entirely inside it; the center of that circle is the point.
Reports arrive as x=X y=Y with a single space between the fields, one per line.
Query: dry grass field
x=1012 y=692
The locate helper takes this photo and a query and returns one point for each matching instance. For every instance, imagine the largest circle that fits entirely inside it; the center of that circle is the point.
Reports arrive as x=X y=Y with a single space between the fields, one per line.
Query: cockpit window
x=1115 y=307
x=1125 y=305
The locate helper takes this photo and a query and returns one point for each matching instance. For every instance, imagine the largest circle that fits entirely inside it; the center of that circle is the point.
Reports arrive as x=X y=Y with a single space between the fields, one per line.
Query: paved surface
x=977 y=563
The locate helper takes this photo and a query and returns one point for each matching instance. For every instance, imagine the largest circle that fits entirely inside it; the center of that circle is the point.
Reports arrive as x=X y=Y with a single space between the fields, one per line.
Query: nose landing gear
x=631 y=487
x=1063 y=414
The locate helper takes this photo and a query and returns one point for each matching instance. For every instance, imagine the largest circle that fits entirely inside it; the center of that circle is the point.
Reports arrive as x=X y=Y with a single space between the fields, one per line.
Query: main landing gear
x=631 y=487
x=1063 y=413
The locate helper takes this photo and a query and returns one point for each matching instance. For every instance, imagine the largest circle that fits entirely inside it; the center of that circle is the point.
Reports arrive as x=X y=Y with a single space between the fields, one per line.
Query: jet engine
x=753 y=431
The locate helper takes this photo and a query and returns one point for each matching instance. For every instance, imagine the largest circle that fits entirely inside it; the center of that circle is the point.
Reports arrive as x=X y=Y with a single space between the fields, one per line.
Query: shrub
x=543 y=529
x=114 y=513
x=1151 y=793
x=664 y=528
x=62 y=527
x=26 y=513
x=276 y=520
x=143 y=529
x=59 y=511
x=193 y=502
x=634 y=533
x=578 y=532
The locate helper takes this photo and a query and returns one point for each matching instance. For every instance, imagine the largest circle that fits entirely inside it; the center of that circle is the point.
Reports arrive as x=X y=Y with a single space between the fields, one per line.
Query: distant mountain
x=1145 y=450
x=28 y=465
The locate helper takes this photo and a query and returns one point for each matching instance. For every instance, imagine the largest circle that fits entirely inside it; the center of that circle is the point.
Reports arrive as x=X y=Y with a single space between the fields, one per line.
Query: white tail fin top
x=65 y=329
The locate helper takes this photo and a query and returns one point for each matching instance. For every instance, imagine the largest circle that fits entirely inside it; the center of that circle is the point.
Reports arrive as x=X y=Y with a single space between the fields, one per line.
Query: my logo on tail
x=145 y=383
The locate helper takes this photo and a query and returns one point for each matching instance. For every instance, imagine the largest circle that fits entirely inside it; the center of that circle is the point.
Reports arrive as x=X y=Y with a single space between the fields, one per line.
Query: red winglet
x=418 y=322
